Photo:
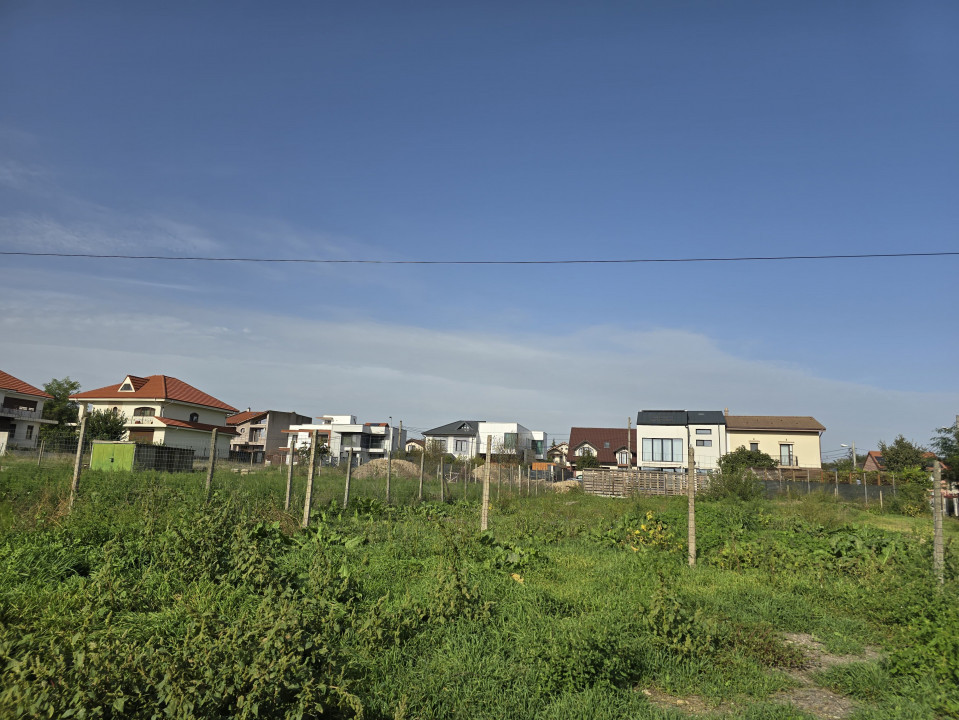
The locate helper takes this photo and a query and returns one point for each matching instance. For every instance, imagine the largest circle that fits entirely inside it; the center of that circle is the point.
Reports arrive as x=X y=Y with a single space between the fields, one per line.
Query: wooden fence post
x=308 y=500
x=484 y=512
x=422 y=461
x=938 y=557
x=212 y=468
x=439 y=478
x=349 y=472
x=289 y=478
x=40 y=453
x=77 y=464
x=691 y=491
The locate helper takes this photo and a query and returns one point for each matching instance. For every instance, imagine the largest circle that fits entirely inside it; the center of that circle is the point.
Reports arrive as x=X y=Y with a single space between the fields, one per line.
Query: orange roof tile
x=156 y=387
x=9 y=382
x=244 y=416
x=196 y=426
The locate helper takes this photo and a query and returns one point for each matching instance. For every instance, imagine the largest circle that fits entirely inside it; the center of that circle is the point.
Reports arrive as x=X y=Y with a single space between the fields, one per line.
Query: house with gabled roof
x=873 y=461
x=612 y=447
x=159 y=409
x=459 y=438
x=21 y=412
x=792 y=440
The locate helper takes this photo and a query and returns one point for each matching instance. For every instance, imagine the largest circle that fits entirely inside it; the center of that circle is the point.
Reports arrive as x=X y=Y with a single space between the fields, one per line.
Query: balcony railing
x=22 y=414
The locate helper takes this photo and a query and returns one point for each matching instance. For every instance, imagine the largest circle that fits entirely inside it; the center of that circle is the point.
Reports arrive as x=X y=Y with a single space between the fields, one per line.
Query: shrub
x=739 y=484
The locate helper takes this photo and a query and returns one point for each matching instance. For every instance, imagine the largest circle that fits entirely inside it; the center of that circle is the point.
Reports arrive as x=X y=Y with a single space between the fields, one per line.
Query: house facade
x=663 y=436
x=21 y=412
x=468 y=438
x=558 y=454
x=260 y=433
x=612 y=447
x=159 y=409
x=342 y=433
x=791 y=440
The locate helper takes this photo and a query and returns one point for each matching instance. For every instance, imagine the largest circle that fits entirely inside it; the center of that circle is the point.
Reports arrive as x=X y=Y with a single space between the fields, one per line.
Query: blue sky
x=490 y=131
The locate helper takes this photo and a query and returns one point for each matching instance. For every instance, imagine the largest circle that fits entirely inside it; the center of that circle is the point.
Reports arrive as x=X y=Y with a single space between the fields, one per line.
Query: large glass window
x=144 y=412
x=662 y=449
x=785 y=454
x=509 y=441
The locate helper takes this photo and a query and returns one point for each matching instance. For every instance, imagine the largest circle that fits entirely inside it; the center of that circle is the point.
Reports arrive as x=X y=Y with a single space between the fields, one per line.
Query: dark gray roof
x=462 y=428
x=680 y=417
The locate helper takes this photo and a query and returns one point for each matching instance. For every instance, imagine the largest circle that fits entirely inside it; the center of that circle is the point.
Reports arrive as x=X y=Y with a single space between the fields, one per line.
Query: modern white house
x=342 y=433
x=21 y=412
x=468 y=438
x=663 y=436
x=159 y=409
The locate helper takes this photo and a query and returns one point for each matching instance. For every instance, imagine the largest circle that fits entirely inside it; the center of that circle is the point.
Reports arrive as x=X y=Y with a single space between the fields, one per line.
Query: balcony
x=20 y=414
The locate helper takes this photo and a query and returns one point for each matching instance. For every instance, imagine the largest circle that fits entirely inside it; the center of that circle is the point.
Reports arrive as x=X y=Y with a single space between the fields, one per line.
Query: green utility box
x=120 y=455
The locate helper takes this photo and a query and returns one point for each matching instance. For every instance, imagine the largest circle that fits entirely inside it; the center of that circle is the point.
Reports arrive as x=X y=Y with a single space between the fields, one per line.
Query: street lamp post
x=853 y=453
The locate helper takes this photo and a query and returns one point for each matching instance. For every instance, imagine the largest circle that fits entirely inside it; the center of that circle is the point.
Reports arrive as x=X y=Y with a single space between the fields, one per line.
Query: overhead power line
x=620 y=261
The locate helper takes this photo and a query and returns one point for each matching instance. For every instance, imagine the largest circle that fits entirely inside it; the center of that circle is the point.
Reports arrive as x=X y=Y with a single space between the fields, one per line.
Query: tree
x=901 y=454
x=61 y=408
x=741 y=458
x=105 y=425
x=946 y=444
x=586 y=460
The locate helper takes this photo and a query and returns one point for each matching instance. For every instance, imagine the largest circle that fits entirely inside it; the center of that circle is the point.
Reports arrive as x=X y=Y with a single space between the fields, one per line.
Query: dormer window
x=194 y=417
x=126 y=387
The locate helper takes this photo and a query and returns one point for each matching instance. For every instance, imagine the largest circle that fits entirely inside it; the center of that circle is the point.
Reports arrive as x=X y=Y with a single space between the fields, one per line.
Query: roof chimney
x=725 y=411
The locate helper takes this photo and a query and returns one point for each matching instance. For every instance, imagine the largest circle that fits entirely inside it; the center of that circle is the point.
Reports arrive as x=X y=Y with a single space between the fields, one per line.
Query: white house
x=21 y=412
x=663 y=436
x=468 y=438
x=160 y=409
x=342 y=433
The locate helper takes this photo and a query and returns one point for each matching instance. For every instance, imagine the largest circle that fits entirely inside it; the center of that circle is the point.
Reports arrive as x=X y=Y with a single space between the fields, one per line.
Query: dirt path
x=807 y=696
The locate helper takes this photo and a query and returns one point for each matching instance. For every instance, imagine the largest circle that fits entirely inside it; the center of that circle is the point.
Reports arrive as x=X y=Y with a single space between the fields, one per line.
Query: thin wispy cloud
x=428 y=377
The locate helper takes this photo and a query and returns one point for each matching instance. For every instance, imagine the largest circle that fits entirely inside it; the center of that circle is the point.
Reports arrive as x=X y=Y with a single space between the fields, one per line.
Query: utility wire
x=622 y=261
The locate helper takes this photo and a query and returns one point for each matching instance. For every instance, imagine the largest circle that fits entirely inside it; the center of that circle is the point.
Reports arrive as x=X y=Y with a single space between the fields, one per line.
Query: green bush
x=738 y=484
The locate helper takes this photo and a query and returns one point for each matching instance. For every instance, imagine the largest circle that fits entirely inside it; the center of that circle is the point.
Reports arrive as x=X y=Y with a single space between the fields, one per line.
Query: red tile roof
x=245 y=416
x=196 y=426
x=773 y=422
x=598 y=438
x=9 y=382
x=156 y=387
x=876 y=458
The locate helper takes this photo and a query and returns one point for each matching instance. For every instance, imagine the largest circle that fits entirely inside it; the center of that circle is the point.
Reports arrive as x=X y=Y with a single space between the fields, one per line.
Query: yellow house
x=791 y=439
x=160 y=409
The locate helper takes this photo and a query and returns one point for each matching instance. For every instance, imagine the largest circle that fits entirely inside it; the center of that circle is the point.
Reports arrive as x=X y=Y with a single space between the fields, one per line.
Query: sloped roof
x=773 y=422
x=155 y=387
x=929 y=457
x=195 y=426
x=680 y=417
x=245 y=416
x=9 y=382
x=457 y=428
x=598 y=438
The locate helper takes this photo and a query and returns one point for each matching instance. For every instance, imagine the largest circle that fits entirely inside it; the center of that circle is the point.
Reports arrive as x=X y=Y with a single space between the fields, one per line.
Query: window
x=606 y=446
x=786 y=454
x=29 y=434
x=126 y=387
x=663 y=449
x=462 y=445
x=754 y=447
x=509 y=441
x=704 y=443
x=144 y=412
x=704 y=431
x=256 y=434
x=194 y=417
x=538 y=446
x=622 y=457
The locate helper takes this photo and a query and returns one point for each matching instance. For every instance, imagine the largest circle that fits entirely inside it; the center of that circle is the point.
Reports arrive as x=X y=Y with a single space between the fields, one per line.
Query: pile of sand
x=377 y=468
x=565 y=486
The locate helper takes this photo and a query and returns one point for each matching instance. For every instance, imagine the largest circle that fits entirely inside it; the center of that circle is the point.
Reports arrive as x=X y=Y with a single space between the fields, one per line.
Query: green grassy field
x=147 y=602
